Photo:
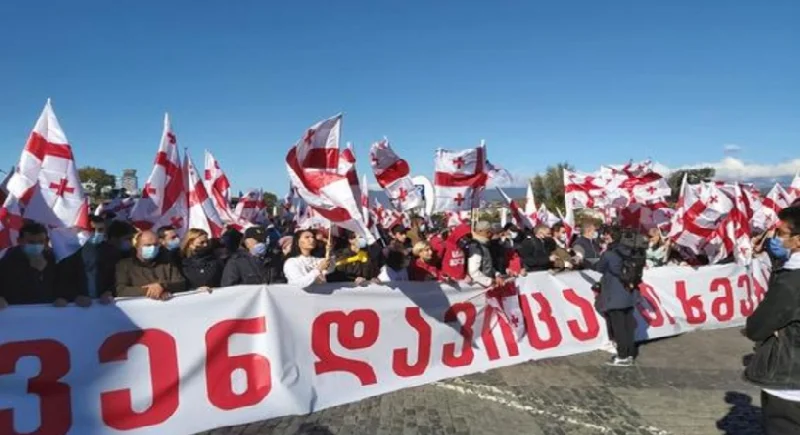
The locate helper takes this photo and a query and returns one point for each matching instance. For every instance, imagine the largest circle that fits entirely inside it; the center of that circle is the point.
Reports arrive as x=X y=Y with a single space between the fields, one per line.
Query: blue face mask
x=149 y=252
x=259 y=250
x=174 y=244
x=33 y=249
x=776 y=250
x=97 y=238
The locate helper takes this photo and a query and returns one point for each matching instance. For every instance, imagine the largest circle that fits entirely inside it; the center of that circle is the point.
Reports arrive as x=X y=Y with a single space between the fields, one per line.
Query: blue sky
x=590 y=82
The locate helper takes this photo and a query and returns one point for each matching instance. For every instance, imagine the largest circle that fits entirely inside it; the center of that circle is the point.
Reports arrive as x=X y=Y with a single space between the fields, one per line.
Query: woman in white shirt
x=301 y=267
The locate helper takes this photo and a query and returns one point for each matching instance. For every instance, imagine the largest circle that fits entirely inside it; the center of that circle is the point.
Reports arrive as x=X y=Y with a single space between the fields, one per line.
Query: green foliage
x=548 y=188
x=270 y=199
x=99 y=177
x=693 y=176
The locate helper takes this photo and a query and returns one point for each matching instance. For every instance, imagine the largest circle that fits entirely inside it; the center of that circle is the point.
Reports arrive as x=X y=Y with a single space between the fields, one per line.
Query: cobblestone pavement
x=682 y=385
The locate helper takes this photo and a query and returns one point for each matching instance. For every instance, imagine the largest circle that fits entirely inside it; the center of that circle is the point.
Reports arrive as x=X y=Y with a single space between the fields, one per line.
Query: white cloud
x=731 y=148
x=730 y=168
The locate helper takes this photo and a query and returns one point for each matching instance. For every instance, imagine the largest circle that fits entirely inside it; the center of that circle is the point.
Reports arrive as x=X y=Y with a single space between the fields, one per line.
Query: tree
x=539 y=191
x=270 y=200
x=553 y=185
x=693 y=176
x=98 y=178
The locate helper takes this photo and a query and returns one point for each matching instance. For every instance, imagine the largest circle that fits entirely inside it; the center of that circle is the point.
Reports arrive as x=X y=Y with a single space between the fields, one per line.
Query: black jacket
x=202 y=271
x=245 y=269
x=535 y=254
x=349 y=266
x=776 y=362
x=74 y=279
x=22 y=284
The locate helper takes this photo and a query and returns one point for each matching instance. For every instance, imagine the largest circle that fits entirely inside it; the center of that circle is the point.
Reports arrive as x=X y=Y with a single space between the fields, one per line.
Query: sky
x=685 y=83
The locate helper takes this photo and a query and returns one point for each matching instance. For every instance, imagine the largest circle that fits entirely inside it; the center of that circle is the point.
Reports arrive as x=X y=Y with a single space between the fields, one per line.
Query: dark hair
x=32 y=229
x=510 y=226
x=558 y=226
x=791 y=215
x=396 y=258
x=119 y=229
x=398 y=229
x=96 y=219
x=162 y=232
x=295 y=251
x=615 y=232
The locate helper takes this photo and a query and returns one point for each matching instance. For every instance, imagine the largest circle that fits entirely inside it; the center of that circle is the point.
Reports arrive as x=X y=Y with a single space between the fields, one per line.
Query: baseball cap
x=257 y=232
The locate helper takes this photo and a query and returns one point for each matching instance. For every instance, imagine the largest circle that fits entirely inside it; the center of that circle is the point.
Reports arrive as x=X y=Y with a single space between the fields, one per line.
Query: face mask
x=776 y=250
x=204 y=251
x=513 y=235
x=362 y=243
x=33 y=249
x=562 y=237
x=423 y=228
x=174 y=244
x=97 y=238
x=259 y=250
x=125 y=245
x=149 y=252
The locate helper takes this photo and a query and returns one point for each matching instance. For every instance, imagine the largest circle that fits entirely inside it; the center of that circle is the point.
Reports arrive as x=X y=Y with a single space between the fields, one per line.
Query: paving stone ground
x=686 y=385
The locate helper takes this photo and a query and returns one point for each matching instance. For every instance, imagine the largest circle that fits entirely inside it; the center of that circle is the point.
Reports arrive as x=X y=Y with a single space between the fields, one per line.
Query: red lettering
x=746 y=305
x=116 y=406
x=652 y=313
x=759 y=290
x=449 y=357
x=588 y=314
x=508 y=334
x=220 y=365
x=722 y=306
x=692 y=307
x=546 y=316
x=55 y=409
x=400 y=363
x=346 y=324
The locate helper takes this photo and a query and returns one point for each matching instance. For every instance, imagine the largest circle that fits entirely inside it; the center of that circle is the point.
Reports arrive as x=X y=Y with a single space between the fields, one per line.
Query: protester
x=28 y=273
x=536 y=252
x=255 y=263
x=454 y=259
x=149 y=272
x=657 y=248
x=422 y=267
x=90 y=272
x=170 y=243
x=399 y=238
x=201 y=268
x=118 y=236
x=396 y=267
x=586 y=246
x=480 y=265
x=230 y=241
x=616 y=301
x=356 y=262
x=775 y=328
x=559 y=232
x=301 y=267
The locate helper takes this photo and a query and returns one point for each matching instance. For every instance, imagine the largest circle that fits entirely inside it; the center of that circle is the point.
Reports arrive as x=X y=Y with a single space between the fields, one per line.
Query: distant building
x=130 y=182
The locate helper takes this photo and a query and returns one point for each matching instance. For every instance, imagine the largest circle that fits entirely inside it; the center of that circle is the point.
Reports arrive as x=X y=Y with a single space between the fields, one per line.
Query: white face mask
x=512 y=235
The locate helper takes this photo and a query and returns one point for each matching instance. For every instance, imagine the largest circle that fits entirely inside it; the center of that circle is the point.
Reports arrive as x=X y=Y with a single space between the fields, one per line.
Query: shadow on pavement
x=743 y=418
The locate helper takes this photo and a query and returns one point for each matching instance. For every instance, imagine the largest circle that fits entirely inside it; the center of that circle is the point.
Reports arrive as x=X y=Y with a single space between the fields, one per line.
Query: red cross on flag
x=732 y=234
x=459 y=178
x=313 y=167
x=121 y=207
x=392 y=174
x=163 y=200
x=48 y=187
x=701 y=208
x=766 y=216
x=10 y=223
x=219 y=190
x=569 y=222
x=544 y=216
x=585 y=190
x=202 y=212
x=347 y=167
x=250 y=206
x=794 y=188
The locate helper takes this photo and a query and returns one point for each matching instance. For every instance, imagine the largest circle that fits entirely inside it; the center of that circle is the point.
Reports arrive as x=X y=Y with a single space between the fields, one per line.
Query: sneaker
x=620 y=362
x=610 y=347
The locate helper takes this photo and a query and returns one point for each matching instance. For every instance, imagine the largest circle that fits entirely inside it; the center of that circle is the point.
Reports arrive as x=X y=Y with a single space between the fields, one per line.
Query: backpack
x=634 y=261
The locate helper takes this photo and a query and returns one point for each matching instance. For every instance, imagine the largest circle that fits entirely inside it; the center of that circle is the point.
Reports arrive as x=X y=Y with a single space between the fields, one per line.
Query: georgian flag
x=202 y=212
x=794 y=188
x=585 y=190
x=392 y=174
x=163 y=200
x=520 y=219
x=347 y=167
x=459 y=179
x=700 y=212
x=313 y=165
x=11 y=222
x=766 y=216
x=47 y=185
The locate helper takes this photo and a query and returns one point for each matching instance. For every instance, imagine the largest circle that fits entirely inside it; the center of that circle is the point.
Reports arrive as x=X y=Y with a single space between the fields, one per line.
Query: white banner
x=244 y=354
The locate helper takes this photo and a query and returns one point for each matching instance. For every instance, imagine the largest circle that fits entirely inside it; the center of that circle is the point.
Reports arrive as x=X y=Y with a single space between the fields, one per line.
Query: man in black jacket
x=586 y=246
x=28 y=271
x=774 y=325
x=89 y=273
x=258 y=262
x=537 y=252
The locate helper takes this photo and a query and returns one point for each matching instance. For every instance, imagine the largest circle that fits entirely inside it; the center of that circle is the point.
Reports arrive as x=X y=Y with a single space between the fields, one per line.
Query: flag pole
x=328 y=247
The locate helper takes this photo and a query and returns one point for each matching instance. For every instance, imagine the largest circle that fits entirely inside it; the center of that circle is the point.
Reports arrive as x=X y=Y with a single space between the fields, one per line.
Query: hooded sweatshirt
x=454 y=263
